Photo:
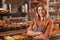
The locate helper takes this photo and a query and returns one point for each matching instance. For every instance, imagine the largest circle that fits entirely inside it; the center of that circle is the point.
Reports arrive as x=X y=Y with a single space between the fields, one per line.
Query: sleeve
x=29 y=29
x=49 y=28
x=31 y=24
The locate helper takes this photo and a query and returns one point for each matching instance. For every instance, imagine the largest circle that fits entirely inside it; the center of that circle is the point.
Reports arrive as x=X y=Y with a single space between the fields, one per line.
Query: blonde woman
x=41 y=27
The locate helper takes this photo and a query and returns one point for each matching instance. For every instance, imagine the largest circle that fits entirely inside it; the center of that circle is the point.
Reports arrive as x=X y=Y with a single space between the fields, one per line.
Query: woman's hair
x=41 y=5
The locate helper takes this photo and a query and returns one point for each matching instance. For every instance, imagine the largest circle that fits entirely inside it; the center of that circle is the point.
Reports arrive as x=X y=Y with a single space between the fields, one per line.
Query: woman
x=41 y=27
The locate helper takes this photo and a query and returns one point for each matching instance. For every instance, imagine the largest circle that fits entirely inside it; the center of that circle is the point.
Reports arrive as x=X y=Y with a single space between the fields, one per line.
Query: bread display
x=8 y=38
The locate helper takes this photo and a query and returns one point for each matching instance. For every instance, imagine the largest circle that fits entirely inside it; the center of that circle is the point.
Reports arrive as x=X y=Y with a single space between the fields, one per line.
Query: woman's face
x=41 y=11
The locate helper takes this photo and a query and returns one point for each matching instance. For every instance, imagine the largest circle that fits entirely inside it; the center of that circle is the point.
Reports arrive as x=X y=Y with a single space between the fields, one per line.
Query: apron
x=39 y=28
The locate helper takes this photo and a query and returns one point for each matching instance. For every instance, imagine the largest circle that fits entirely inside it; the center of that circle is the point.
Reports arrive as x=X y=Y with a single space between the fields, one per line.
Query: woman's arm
x=49 y=29
x=33 y=33
x=30 y=32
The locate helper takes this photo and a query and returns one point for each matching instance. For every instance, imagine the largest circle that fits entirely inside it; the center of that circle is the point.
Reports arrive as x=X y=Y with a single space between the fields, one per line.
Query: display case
x=54 y=11
x=13 y=20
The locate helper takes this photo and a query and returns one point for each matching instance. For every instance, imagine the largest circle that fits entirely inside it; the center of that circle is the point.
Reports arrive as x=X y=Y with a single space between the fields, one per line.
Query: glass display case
x=54 y=11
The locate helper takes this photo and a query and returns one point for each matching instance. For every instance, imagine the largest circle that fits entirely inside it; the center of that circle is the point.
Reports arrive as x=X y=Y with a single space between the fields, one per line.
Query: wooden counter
x=56 y=31
x=12 y=32
x=55 y=35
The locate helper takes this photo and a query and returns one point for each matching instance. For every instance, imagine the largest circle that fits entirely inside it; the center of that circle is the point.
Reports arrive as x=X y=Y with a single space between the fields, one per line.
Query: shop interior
x=16 y=15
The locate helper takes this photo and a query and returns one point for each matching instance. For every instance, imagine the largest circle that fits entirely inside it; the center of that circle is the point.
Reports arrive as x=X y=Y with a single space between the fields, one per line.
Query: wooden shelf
x=54 y=4
x=54 y=13
x=34 y=1
x=12 y=32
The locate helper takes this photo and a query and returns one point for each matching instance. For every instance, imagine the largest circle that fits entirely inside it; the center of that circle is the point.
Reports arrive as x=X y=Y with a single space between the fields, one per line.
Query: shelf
x=57 y=22
x=54 y=13
x=18 y=18
x=34 y=1
x=54 y=8
x=54 y=4
x=12 y=32
x=5 y=14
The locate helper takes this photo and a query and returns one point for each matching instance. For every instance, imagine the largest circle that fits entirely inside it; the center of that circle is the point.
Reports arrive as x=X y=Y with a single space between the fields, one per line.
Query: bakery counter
x=55 y=35
x=12 y=32
x=2 y=29
x=12 y=29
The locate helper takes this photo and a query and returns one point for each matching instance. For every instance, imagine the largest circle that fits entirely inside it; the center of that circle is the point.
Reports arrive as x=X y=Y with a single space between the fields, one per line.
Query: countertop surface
x=12 y=32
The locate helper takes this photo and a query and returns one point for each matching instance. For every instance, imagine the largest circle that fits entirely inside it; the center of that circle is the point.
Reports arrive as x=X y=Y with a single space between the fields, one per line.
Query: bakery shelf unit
x=54 y=8
x=13 y=16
